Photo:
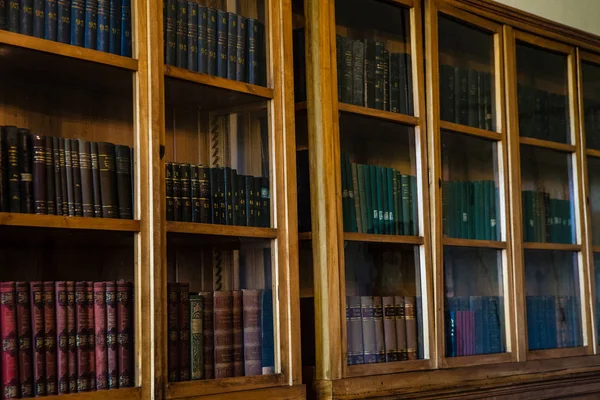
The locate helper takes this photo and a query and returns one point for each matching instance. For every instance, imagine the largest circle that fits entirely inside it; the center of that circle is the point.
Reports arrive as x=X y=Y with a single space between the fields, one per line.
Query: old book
x=208 y=336
x=267 y=341
x=69 y=178
x=195 y=193
x=14 y=177
x=100 y=335
x=222 y=27
x=169 y=191
x=173 y=331
x=39 y=344
x=23 y=301
x=389 y=328
x=251 y=331
x=114 y=26
x=58 y=198
x=241 y=37
x=91 y=337
x=192 y=36
x=25 y=176
x=379 y=329
x=196 y=337
x=108 y=180
x=72 y=336
x=123 y=171
x=400 y=316
x=10 y=349
x=50 y=338
x=411 y=327
x=82 y=323
x=211 y=40
x=355 y=351
x=177 y=189
x=77 y=189
x=223 y=334
x=204 y=194
x=231 y=45
x=125 y=333
x=184 y=331
x=181 y=34
x=4 y=198
x=39 y=174
x=87 y=188
x=238 y=334
x=185 y=192
x=62 y=333
x=202 y=39
x=96 y=180
x=111 y=335
x=63 y=176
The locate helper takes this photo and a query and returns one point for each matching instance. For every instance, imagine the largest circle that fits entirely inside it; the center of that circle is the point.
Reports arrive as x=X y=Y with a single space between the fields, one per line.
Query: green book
x=486 y=210
x=368 y=200
x=527 y=216
x=395 y=203
x=405 y=189
x=344 y=196
x=196 y=337
x=380 y=201
x=384 y=200
x=374 y=203
x=356 y=200
x=445 y=208
x=414 y=205
x=362 y=200
x=458 y=215
x=398 y=202
x=478 y=210
x=492 y=221
x=351 y=206
x=392 y=212
x=463 y=214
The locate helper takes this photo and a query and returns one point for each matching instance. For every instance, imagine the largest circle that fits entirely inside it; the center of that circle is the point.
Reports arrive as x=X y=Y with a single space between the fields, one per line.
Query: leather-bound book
x=111 y=335
x=125 y=333
x=195 y=193
x=192 y=36
x=211 y=40
x=368 y=330
x=78 y=22
x=72 y=336
x=4 y=198
x=181 y=34
x=169 y=191
x=173 y=331
x=123 y=161
x=64 y=182
x=196 y=336
x=100 y=335
x=82 y=323
x=58 y=199
x=50 y=184
x=186 y=192
x=251 y=321
x=231 y=45
x=389 y=328
x=176 y=192
x=379 y=333
x=241 y=186
x=223 y=340
x=77 y=188
x=62 y=332
x=238 y=334
x=252 y=51
x=400 y=328
x=14 y=178
x=241 y=37
x=411 y=327
x=91 y=334
x=26 y=179
x=184 y=331
x=10 y=348
x=39 y=174
x=69 y=177
x=63 y=31
x=208 y=337
x=202 y=39
x=221 y=44
x=355 y=331
x=91 y=20
x=108 y=180
x=102 y=43
x=50 y=338
x=115 y=20
x=170 y=17
x=85 y=168
x=36 y=292
x=96 y=180
x=50 y=23
x=24 y=334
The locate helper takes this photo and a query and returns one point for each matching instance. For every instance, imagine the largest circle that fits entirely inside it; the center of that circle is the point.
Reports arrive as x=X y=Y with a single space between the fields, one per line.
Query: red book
x=8 y=332
x=208 y=336
x=24 y=332
x=83 y=355
x=72 y=334
x=100 y=333
x=173 y=331
x=111 y=335
x=62 y=330
x=39 y=344
x=125 y=335
x=50 y=338
x=223 y=317
x=91 y=340
x=238 y=334
x=184 y=331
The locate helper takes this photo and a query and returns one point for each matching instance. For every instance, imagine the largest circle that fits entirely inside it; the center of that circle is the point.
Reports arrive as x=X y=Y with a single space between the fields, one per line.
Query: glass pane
x=547 y=191
x=594 y=186
x=384 y=316
x=220 y=301
x=470 y=187
x=597 y=281
x=542 y=93
x=553 y=304
x=590 y=76
x=466 y=74
x=373 y=55
x=474 y=307
x=379 y=184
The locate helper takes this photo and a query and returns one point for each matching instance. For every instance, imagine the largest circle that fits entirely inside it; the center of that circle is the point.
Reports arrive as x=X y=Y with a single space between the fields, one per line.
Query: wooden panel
x=469 y=130
x=115 y=394
x=567 y=148
x=370 y=237
x=551 y=246
x=557 y=353
x=490 y=244
x=221 y=230
x=53 y=221
x=385 y=115
x=466 y=361
x=179 y=390
x=297 y=392
x=386 y=368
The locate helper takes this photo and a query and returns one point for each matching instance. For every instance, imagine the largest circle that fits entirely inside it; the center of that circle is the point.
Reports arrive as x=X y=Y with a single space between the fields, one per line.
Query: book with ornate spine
x=87 y=189
x=400 y=328
x=123 y=172
x=78 y=22
x=25 y=176
x=4 y=198
x=223 y=334
x=58 y=198
x=63 y=189
x=50 y=184
x=222 y=27
x=125 y=336
x=63 y=17
x=169 y=191
x=96 y=180
x=252 y=48
x=379 y=329
x=184 y=331
x=126 y=47
x=10 y=349
x=368 y=330
x=389 y=327
x=91 y=335
x=114 y=22
x=173 y=331
x=72 y=336
x=185 y=192
x=36 y=293
x=240 y=69
x=91 y=24
x=26 y=17
x=102 y=35
x=196 y=337
x=208 y=335
x=181 y=34
x=38 y=18
x=176 y=192
x=171 y=32
x=69 y=178
x=100 y=335
x=14 y=191
x=50 y=338
x=39 y=174
x=202 y=39
x=77 y=189
x=108 y=180
x=23 y=301
x=241 y=185
x=62 y=333
x=411 y=327
x=195 y=193
x=355 y=331
x=238 y=334
x=82 y=323
x=111 y=335
x=252 y=335
x=231 y=45
x=211 y=40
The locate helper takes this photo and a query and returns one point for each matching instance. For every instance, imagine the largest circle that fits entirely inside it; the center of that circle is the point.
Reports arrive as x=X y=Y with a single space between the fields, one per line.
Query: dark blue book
x=181 y=34
x=494 y=329
x=231 y=45
x=222 y=44
x=50 y=21
x=64 y=21
x=26 y=17
x=103 y=34
x=114 y=25
x=476 y=306
x=267 y=342
x=126 y=49
x=261 y=51
x=77 y=22
x=38 y=18
x=251 y=48
x=14 y=15
x=211 y=40
x=240 y=69
x=171 y=33
x=192 y=36
x=202 y=40
x=91 y=24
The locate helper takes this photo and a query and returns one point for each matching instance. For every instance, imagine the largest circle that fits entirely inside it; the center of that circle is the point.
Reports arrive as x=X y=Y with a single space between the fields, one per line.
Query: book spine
x=50 y=338
x=223 y=334
x=411 y=328
x=26 y=178
x=38 y=18
x=241 y=38
x=208 y=335
x=91 y=337
x=50 y=175
x=91 y=24
x=14 y=178
x=238 y=334
x=400 y=317
x=202 y=39
x=267 y=341
x=192 y=36
x=96 y=180
x=77 y=22
x=195 y=193
x=173 y=331
x=228 y=188
x=39 y=343
x=85 y=176
x=447 y=97
x=261 y=54
x=62 y=333
x=472 y=93
x=75 y=183
x=184 y=331
x=355 y=351
x=14 y=15
x=196 y=337
x=222 y=30
x=241 y=185
x=23 y=304
x=83 y=356
x=4 y=198
x=386 y=80
x=126 y=37
x=64 y=182
x=100 y=335
x=370 y=73
x=10 y=349
x=379 y=329
x=231 y=45
x=346 y=71
x=63 y=30
x=251 y=331
x=252 y=49
x=358 y=72
x=114 y=25
x=171 y=33
x=125 y=333
x=368 y=330
x=103 y=31
x=211 y=40
x=39 y=174
x=26 y=17
x=72 y=336
x=222 y=189
x=185 y=192
x=379 y=73
x=108 y=180
x=177 y=192
x=169 y=191
x=389 y=328
x=235 y=197
x=111 y=335
x=124 y=178
x=181 y=34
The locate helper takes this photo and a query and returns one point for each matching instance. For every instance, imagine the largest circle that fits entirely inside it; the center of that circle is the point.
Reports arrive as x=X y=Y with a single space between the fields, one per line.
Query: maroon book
x=173 y=331
x=8 y=332
x=50 y=338
x=36 y=292
x=238 y=335
x=81 y=319
x=125 y=335
x=91 y=336
x=208 y=336
x=111 y=335
x=24 y=333
x=72 y=334
x=62 y=330
x=100 y=333
x=252 y=332
x=223 y=340
x=184 y=331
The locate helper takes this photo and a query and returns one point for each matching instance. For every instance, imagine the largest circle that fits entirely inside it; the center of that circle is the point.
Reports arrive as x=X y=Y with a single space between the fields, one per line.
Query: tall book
x=177 y=188
x=252 y=47
x=223 y=334
x=23 y=301
x=231 y=50
x=39 y=174
x=202 y=39
x=208 y=335
x=126 y=36
x=125 y=333
x=114 y=26
x=91 y=337
x=77 y=22
x=181 y=34
x=196 y=337
x=96 y=180
x=108 y=180
x=267 y=333
x=103 y=34
x=171 y=32
x=173 y=331
x=10 y=349
x=77 y=187
x=82 y=323
x=100 y=334
x=51 y=184
x=204 y=195
x=72 y=336
x=25 y=176
x=238 y=334
x=64 y=182
x=169 y=189
x=368 y=329
x=411 y=327
x=379 y=328
x=184 y=331
x=241 y=37
x=124 y=178
x=185 y=185
x=251 y=331
x=63 y=17
x=4 y=198
x=91 y=24
x=62 y=333
x=14 y=177
x=50 y=338
x=26 y=16
x=222 y=30
x=211 y=40
x=112 y=335
x=85 y=168
x=39 y=344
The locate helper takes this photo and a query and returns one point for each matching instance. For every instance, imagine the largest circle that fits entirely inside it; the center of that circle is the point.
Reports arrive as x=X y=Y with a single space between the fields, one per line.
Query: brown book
x=96 y=180
x=100 y=335
x=184 y=331
x=400 y=328
x=91 y=336
x=111 y=335
x=389 y=328
x=58 y=199
x=24 y=334
x=208 y=336
x=379 y=334
x=39 y=174
x=50 y=184
x=65 y=180
x=72 y=334
x=76 y=167
x=238 y=334
x=251 y=332
x=8 y=333
x=123 y=169
x=411 y=327
x=108 y=180
x=125 y=333
x=50 y=339
x=223 y=316
x=82 y=323
x=62 y=331
x=85 y=167
x=173 y=331
x=39 y=344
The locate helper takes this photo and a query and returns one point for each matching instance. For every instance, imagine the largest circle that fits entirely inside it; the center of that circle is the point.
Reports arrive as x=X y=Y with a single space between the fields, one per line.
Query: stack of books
x=543 y=115
x=214 y=42
x=222 y=334
x=553 y=322
x=103 y=25
x=546 y=220
x=61 y=176
x=66 y=337
x=592 y=123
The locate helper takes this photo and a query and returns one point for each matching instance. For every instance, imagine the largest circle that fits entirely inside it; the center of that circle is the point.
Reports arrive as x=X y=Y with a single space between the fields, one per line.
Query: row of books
x=543 y=115
x=381 y=329
x=470 y=210
x=591 y=116
x=197 y=193
x=214 y=42
x=103 y=25
x=466 y=96
x=220 y=334
x=553 y=322
x=546 y=220
x=378 y=199
x=61 y=176
x=66 y=337
x=474 y=325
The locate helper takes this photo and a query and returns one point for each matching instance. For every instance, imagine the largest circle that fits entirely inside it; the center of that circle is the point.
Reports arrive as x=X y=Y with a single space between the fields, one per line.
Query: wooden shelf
x=551 y=246
x=469 y=130
x=380 y=114
x=353 y=371
x=593 y=153
x=180 y=390
x=375 y=238
x=558 y=353
x=221 y=230
x=60 y=222
x=490 y=244
x=567 y=148
x=305 y=236
x=113 y=394
x=480 y=359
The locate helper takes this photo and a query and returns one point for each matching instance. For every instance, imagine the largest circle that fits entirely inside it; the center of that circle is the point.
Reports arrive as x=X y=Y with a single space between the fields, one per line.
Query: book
x=72 y=336
x=65 y=179
x=400 y=322
x=77 y=189
x=171 y=32
x=124 y=181
x=368 y=330
x=211 y=40
x=389 y=328
x=38 y=18
x=112 y=335
x=231 y=45
x=100 y=333
x=51 y=205
x=184 y=331
x=202 y=39
x=114 y=26
x=204 y=196
x=345 y=69
x=223 y=334
x=126 y=36
x=238 y=334
x=14 y=177
x=354 y=333
x=96 y=180
x=192 y=36
x=252 y=332
x=208 y=335
x=221 y=35
x=252 y=45
x=77 y=22
x=62 y=333
x=241 y=37
x=267 y=342
x=14 y=15
x=26 y=17
x=87 y=189
x=103 y=31
x=108 y=180
x=63 y=18
x=177 y=189
x=181 y=34
x=24 y=334
x=39 y=174
x=50 y=338
x=170 y=214
x=82 y=324
x=25 y=176
x=125 y=333
x=91 y=24
x=196 y=337
x=91 y=336
x=173 y=331
x=39 y=343
x=8 y=331
x=379 y=329
x=4 y=197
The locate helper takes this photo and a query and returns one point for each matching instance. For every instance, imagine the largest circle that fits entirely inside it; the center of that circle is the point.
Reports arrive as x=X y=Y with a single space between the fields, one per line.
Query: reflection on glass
x=473 y=306
x=466 y=74
x=547 y=192
x=379 y=184
x=384 y=318
x=542 y=93
x=594 y=186
x=470 y=187
x=553 y=304
x=590 y=76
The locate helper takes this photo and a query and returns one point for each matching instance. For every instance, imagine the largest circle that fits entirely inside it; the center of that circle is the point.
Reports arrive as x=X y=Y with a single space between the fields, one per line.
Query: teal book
x=351 y=204
x=373 y=187
x=397 y=206
x=380 y=195
x=414 y=205
x=457 y=213
x=345 y=218
x=356 y=199
x=362 y=199
x=525 y=215
x=445 y=208
x=478 y=210
x=486 y=207
x=405 y=189
x=385 y=201
x=267 y=333
x=391 y=209
x=494 y=223
x=464 y=210
x=368 y=202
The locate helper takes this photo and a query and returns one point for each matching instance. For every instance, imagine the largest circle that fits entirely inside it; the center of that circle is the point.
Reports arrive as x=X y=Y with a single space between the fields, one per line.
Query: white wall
x=581 y=14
